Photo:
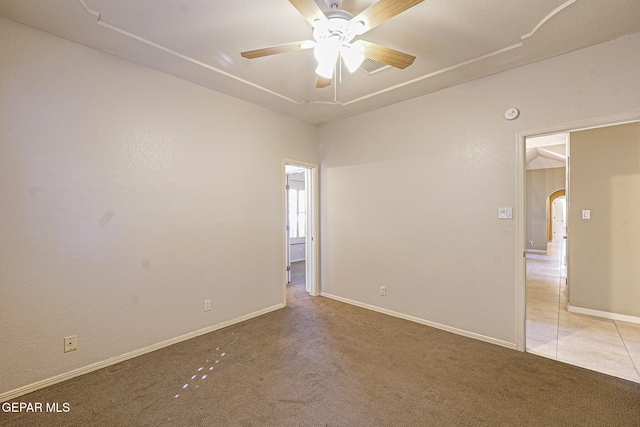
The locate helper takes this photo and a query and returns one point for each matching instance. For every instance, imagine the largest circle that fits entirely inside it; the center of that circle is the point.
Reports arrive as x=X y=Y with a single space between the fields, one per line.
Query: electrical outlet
x=207 y=305
x=383 y=291
x=70 y=343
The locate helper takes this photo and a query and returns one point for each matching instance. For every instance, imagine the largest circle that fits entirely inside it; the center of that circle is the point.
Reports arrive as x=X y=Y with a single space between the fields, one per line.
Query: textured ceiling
x=453 y=41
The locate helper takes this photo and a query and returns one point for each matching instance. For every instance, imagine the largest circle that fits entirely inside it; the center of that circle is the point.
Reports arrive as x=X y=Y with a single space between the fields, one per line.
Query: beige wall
x=604 y=251
x=410 y=193
x=121 y=205
x=540 y=184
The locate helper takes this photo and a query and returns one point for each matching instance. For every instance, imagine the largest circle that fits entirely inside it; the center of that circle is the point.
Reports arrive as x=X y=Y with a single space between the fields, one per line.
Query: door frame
x=287 y=237
x=311 y=238
x=521 y=206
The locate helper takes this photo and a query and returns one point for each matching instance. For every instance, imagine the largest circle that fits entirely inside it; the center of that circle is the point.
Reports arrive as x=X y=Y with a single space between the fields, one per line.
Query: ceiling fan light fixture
x=326 y=53
x=327 y=50
x=334 y=31
x=353 y=55
x=307 y=44
x=337 y=24
x=325 y=69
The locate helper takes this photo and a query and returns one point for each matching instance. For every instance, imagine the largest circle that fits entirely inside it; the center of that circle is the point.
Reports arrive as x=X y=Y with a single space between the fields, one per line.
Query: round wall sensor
x=511 y=114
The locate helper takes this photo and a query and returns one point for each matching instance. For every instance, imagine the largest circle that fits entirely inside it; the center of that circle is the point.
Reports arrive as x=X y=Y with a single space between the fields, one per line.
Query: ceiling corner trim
x=536 y=152
x=470 y=61
x=435 y=73
x=89 y=10
x=181 y=56
x=194 y=61
x=549 y=16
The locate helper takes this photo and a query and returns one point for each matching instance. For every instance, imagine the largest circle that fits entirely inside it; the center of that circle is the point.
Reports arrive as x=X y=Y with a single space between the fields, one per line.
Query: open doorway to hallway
x=296 y=227
x=610 y=346
x=301 y=225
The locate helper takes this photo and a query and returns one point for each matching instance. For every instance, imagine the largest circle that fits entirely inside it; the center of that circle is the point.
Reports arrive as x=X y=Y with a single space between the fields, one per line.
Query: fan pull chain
x=338 y=79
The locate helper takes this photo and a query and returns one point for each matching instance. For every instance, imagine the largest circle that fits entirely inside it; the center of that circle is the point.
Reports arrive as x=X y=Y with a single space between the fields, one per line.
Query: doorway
x=557 y=215
x=549 y=327
x=559 y=218
x=301 y=225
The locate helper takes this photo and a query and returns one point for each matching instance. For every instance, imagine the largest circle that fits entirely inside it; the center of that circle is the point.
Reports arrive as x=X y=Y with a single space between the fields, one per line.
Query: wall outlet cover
x=70 y=343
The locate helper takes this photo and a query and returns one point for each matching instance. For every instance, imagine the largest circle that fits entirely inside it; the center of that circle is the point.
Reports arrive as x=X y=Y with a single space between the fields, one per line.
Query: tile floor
x=602 y=345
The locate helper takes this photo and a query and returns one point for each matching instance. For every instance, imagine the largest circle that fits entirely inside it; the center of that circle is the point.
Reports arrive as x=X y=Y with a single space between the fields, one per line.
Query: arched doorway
x=552 y=198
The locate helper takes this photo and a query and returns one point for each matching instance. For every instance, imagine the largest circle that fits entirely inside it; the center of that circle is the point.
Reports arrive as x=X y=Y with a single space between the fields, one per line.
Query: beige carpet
x=319 y=362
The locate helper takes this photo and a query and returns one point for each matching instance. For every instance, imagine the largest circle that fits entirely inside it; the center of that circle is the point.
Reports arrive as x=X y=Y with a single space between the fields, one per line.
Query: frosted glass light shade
x=325 y=69
x=326 y=52
x=353 y=55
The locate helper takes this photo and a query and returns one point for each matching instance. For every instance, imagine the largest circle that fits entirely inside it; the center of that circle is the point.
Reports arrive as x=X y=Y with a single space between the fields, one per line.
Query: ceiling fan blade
x=309 y=9
x=273 y=50
x=387 y=55
x=322 y=82
x=382 y=11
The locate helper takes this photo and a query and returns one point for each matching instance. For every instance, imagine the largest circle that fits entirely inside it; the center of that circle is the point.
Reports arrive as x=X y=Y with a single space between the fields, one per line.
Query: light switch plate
x=505 y=213
x=586 y=214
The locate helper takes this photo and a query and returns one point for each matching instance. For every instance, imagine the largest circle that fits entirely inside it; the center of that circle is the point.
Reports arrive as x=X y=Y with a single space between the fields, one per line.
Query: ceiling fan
x=333 y=35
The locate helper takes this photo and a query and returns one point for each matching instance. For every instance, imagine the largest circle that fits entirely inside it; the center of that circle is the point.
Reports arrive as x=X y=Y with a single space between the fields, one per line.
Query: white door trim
x=287 y=237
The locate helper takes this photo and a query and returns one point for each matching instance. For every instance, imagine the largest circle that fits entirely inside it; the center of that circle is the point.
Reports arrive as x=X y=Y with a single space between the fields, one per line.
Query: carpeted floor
x=319 y=362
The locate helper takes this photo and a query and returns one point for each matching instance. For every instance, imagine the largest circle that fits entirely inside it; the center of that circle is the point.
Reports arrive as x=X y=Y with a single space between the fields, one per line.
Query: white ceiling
x=453 y=41
x=546 y=152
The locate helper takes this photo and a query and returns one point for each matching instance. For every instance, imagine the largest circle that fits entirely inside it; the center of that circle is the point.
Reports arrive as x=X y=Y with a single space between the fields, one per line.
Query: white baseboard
x=12 y=394
x=422 y=321
x=603 y=314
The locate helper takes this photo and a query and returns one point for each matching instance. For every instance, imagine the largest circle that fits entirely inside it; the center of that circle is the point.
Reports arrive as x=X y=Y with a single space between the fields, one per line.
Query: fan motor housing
x=338 y=14
x=336 y=26
x=333 y=4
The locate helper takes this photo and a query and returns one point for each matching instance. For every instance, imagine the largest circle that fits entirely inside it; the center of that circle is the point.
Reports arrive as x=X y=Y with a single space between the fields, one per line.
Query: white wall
x=410 y=193
x=117 y=209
